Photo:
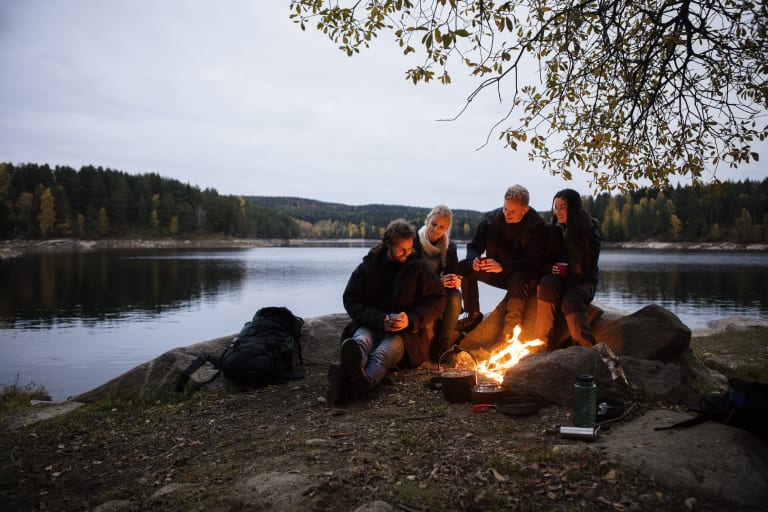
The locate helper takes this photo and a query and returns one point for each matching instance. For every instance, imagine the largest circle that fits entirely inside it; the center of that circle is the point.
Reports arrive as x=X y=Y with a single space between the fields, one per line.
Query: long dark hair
x=579 y=220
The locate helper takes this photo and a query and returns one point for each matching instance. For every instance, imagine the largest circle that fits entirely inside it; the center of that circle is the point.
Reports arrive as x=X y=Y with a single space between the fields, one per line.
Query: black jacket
x=451 y=258
x=378 y=287
x=518 y=247
x=581 y=255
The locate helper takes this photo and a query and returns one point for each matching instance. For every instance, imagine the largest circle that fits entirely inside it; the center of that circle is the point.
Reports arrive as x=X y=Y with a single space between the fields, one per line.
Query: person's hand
x=487 y=265
x=452 y=281
x=395 y=322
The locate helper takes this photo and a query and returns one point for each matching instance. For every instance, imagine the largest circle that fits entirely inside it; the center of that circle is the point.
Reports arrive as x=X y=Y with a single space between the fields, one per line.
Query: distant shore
x=14 y=248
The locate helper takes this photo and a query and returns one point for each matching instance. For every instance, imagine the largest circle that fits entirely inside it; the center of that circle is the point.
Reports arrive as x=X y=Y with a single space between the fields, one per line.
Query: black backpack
x=744 y=405
x=261 y=354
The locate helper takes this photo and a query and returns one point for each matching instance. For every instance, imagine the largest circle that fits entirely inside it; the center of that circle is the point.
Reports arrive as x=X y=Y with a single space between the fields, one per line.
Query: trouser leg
x=518 y=287
x=385 y=355
x=578 y=327
x=547 y=299
x=574 y=306
x=469 y=290
x=450 y=313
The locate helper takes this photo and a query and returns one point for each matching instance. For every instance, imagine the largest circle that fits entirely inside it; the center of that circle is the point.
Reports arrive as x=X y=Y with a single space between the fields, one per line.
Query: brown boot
x=578 y=327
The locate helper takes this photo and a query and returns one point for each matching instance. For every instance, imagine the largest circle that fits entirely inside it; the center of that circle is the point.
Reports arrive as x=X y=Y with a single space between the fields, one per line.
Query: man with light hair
x=513 y=239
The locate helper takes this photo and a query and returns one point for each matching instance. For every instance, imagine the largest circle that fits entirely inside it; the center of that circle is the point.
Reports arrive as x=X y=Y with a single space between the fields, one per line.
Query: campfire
x=506 y=357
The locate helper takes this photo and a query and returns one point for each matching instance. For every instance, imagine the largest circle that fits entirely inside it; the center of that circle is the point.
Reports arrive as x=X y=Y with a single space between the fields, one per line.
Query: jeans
x=450 y=314
x=380 y=352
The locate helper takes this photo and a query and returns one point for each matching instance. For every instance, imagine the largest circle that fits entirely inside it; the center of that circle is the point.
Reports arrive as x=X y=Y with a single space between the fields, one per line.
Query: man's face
x=401 y=249
x=514 y=211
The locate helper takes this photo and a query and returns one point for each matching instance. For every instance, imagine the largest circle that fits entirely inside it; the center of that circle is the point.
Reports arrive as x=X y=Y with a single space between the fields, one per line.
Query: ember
x=502 y=360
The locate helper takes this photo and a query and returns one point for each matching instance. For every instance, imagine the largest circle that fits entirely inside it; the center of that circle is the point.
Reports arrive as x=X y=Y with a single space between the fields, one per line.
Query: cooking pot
x=457 y=383
x=488 y=393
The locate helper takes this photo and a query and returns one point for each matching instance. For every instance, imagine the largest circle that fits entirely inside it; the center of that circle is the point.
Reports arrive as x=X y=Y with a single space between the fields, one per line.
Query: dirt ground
x=283 y=448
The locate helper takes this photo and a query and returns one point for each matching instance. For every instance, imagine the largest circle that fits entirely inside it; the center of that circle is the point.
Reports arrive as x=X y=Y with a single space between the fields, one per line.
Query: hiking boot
x=336 y=390
x=351 y=364
x=469 y=322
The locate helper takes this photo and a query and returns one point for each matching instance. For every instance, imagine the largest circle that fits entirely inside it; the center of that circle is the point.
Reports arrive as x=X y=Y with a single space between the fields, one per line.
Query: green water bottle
x=584 y=401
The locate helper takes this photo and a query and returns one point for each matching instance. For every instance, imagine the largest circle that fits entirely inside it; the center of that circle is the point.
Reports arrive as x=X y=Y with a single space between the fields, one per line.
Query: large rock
x=551 y=375
x=161 y=376
x=652 y=332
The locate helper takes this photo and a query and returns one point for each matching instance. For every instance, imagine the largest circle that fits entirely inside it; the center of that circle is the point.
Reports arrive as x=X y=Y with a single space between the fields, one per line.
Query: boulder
x=550 y=375
x=161 y=375
x=652 y=332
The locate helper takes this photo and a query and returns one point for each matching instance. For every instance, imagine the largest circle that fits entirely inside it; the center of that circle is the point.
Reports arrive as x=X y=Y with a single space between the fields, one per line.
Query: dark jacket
x=581 y=255
x=378 y=287
x=451 y=258
x=518 y=247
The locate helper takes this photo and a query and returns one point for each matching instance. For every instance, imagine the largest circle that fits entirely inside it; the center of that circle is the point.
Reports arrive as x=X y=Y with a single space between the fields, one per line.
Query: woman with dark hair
x=573 y=239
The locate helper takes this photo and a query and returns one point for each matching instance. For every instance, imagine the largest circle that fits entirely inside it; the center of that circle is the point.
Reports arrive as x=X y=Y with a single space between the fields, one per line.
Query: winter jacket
x=519 y=247
x=581 y=255
x=378 y=287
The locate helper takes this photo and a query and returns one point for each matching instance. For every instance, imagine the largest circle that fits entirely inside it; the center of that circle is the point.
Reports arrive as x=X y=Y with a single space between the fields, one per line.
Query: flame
x=503 y=359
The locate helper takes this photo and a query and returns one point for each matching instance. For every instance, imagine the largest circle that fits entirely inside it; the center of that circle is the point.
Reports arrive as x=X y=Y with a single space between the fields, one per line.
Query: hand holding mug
x=395 y=322
x=451 y=281
x=560 y=269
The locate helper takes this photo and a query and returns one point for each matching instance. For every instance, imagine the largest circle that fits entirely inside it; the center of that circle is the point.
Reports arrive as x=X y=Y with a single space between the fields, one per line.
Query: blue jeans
x=380 y=352
x=450 y=313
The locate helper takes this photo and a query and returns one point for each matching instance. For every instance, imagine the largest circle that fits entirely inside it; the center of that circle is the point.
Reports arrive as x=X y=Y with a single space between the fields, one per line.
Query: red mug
x=562 y=269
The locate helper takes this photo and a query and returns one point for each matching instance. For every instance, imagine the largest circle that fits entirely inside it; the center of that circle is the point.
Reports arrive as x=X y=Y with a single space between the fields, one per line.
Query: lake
x=72 y=321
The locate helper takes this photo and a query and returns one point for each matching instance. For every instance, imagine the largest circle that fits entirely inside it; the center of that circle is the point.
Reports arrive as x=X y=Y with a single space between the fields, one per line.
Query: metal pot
x=488 y=393
x=457 y=384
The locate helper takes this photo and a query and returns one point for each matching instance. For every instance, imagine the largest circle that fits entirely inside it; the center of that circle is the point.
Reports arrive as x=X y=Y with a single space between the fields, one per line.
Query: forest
x=40 y=202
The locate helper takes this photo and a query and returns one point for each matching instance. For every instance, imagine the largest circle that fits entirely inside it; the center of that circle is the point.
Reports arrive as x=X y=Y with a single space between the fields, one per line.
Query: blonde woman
x=434 y=245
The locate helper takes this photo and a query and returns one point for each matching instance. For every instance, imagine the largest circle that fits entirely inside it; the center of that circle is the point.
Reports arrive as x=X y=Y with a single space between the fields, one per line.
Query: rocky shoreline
x=16 y=248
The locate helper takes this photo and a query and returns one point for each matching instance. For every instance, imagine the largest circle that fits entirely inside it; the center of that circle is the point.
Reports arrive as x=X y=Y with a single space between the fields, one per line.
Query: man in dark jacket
x=513 y=238
x=392 y=297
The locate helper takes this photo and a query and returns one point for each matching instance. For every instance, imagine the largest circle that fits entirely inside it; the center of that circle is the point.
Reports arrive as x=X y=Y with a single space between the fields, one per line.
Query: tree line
x=40 y=202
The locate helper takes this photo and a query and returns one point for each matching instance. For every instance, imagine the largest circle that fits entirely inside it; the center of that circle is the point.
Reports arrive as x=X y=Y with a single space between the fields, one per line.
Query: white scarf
x=432 y=250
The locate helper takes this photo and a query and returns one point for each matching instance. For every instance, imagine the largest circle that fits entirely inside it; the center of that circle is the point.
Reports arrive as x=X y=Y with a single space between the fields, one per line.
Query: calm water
x=73 y=321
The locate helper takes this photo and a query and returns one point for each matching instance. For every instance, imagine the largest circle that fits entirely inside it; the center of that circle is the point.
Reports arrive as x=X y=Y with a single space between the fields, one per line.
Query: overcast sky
x=235 y=97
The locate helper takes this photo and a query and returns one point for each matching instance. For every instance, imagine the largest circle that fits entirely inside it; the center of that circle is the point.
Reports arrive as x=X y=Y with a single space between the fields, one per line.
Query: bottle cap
x=585 y=377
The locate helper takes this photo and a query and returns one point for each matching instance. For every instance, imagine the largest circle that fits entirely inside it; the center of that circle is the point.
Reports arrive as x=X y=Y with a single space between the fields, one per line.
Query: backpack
x=261 y=354
x=744 y=405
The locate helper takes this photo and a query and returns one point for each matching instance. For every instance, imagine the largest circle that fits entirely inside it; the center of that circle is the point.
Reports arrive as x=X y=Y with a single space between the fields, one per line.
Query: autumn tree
x=623 y=91
x=47 y=216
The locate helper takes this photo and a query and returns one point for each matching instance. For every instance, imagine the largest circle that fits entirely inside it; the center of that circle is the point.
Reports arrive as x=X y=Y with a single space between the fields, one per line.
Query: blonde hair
x=518 y=193
x=441 y=211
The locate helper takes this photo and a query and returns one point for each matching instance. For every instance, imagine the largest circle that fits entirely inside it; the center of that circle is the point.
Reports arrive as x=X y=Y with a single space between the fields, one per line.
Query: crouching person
x=391 y=297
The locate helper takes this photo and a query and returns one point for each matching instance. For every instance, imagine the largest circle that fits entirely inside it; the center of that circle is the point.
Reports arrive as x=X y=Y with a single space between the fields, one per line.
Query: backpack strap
x=195 y=365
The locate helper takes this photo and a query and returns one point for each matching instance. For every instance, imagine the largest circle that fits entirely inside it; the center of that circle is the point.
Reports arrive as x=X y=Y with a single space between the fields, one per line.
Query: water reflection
x=72 y=321
x=688 y=283
x=47 y=289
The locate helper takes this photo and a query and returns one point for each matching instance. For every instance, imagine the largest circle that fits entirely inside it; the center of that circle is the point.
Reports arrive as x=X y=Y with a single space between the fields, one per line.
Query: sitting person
x=573 y=238
x=392 y=297
x=433 y=244
x=512 y=237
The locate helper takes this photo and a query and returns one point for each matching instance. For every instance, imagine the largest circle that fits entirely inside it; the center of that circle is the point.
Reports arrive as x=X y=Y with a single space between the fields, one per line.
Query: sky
x=234 y=96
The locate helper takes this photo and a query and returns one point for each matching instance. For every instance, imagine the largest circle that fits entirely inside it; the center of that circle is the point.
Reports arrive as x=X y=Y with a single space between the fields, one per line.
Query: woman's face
x=561 y=210
x=437 y=225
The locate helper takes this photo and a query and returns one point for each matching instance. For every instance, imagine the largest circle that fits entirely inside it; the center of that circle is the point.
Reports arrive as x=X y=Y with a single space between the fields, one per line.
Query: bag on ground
x=264 y=352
